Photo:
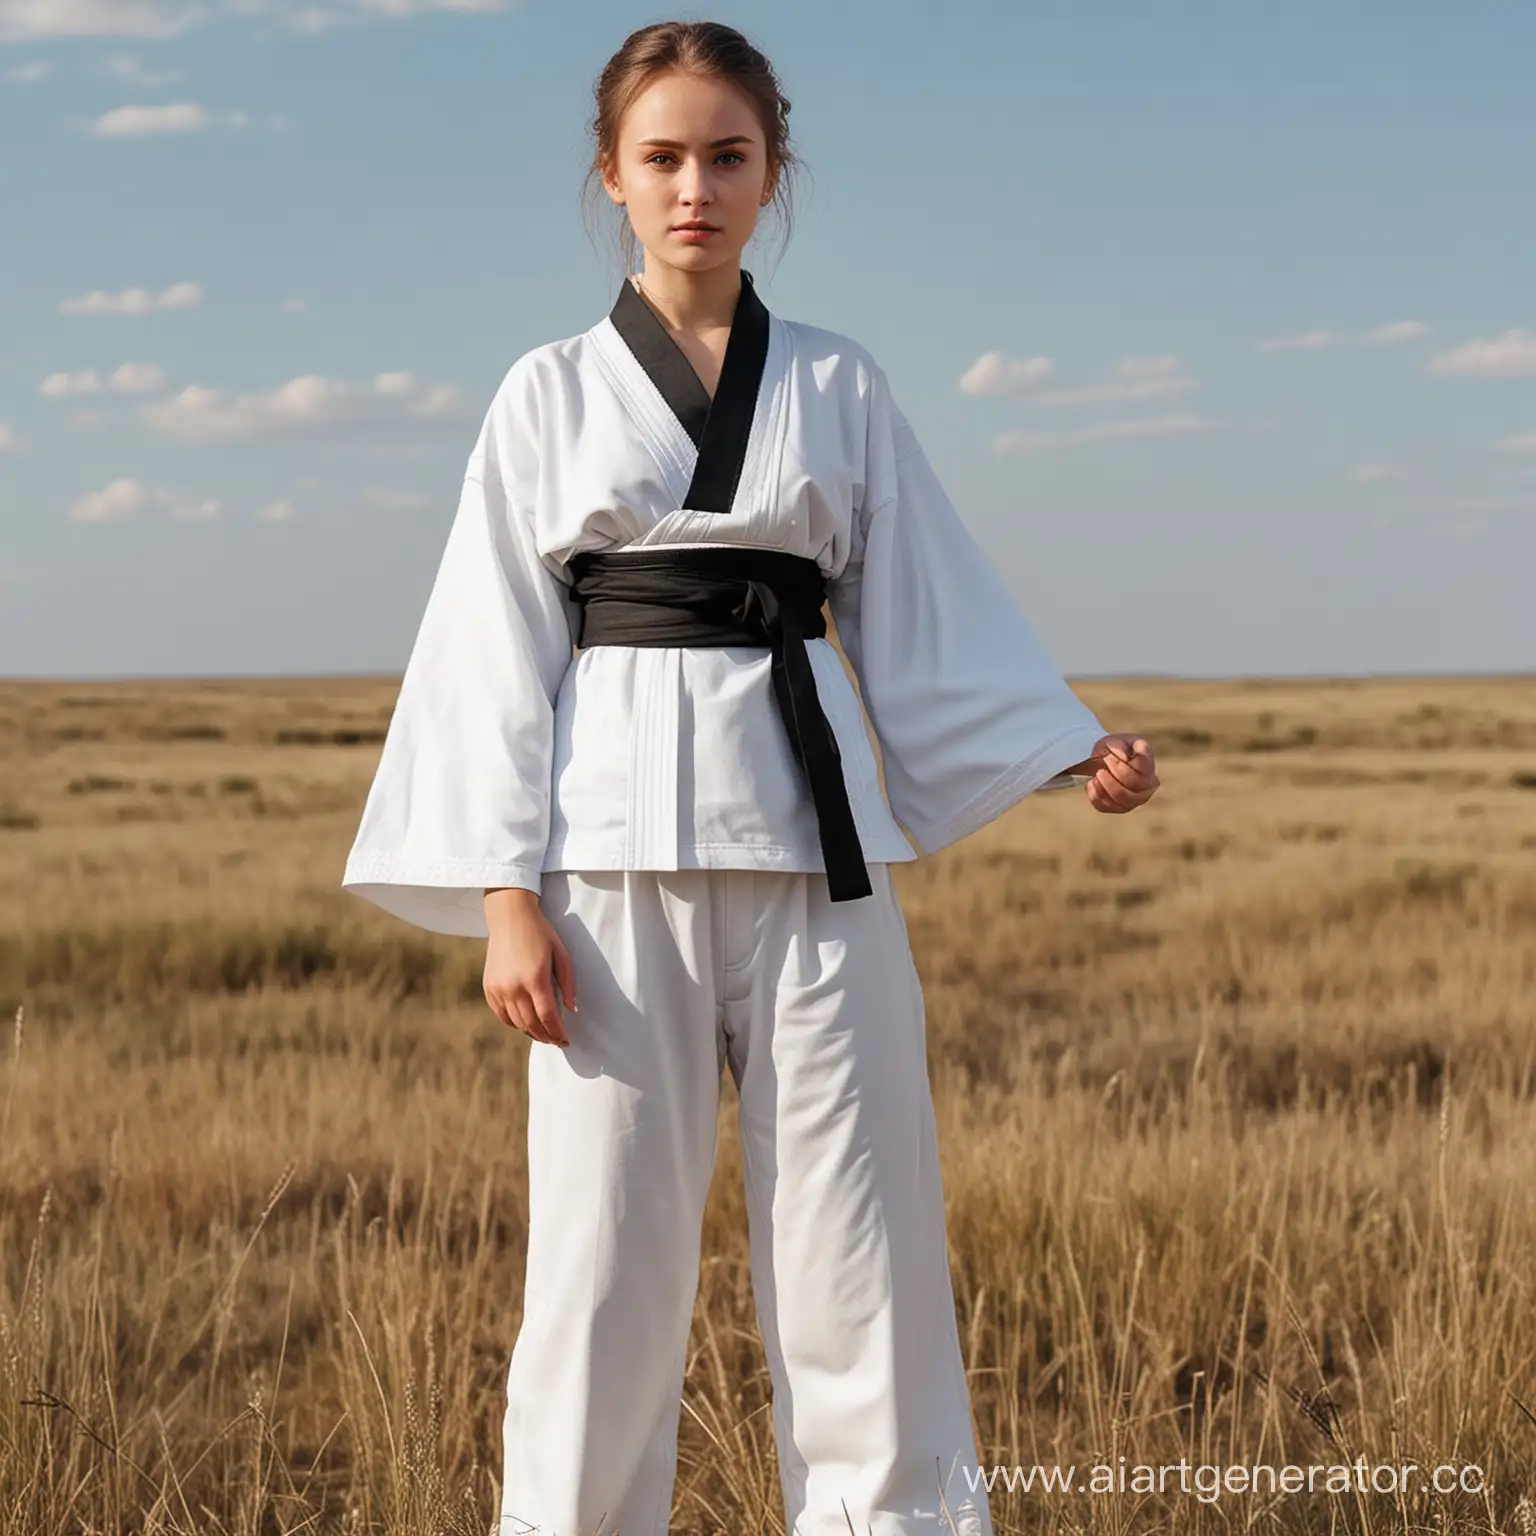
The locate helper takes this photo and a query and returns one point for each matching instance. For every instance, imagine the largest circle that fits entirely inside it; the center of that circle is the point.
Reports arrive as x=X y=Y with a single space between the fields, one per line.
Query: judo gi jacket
x=511 y=752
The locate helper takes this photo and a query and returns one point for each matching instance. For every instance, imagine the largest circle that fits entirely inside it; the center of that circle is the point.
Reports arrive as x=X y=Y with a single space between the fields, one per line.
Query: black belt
x=732 y=595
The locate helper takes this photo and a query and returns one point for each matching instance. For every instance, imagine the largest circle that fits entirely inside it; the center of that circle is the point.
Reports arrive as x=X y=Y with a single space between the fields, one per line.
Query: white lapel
x=661 y=431
x=672 y=448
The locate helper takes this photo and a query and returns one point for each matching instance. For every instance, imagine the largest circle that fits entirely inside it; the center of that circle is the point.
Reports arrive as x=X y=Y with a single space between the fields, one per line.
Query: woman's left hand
x=1128 y=777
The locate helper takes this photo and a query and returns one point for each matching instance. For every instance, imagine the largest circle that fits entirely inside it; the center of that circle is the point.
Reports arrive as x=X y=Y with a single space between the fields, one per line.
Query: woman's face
x=690 y=149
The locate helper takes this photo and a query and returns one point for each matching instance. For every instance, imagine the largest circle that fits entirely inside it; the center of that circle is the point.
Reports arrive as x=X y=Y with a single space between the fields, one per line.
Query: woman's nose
x=695 y=188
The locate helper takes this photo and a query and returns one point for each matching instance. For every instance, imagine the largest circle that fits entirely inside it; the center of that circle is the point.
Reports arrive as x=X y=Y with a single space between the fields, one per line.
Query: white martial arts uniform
x=649 y=793
x=816 y=1009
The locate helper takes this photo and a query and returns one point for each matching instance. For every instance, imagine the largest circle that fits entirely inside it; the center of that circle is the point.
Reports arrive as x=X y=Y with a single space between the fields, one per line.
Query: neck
x=692 y=301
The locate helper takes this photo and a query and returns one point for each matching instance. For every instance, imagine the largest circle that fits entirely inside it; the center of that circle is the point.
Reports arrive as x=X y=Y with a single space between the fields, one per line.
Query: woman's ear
x=610 y=184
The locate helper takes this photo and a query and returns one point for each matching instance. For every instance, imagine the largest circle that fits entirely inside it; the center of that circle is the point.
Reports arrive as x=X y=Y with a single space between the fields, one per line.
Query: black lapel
x=720 y=428
x=662 y=358
x=724 y=447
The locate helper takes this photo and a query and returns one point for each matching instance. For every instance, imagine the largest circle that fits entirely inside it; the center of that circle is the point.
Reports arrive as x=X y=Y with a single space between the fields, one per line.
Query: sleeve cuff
x=1008 y=788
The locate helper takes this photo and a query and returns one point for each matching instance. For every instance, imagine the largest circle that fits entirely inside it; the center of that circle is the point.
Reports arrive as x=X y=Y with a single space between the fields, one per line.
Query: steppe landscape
x=1237 y=1099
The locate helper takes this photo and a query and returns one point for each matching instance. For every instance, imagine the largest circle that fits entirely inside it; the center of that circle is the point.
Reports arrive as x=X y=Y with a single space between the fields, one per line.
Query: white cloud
x=1143 y=387
x=176 y=117
x=315 y=19
x=1305 y=342
x=1391 y=335
x=29 y=74
x=129 y=379
x=188 y=509
x=293 y=306
x=304 y=407
x=1137 y=378
x=128 y=497
x=31 y=20
x=388 y=500
x=60 y=386
x=993 y=374
x=397 y=8
x=1019 y=441
x=119 y=499
x=137 y=379
x=443 y=402
x=276 y=512
x=134 y=301
x=1381 y=336
x=1512 y=355
x=1367 y=473
x=35 y=20
x=1524 y=443
x=131 y=69
x=11 y=441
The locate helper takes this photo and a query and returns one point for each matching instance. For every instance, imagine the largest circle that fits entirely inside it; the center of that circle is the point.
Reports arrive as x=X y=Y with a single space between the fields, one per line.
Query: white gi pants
x=817 y=1009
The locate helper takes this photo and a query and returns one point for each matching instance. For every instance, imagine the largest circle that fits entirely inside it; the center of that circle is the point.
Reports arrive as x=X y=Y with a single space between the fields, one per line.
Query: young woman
x=684 y=822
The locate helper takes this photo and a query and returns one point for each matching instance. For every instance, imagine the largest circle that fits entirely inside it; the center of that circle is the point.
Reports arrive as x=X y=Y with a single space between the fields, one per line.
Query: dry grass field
x=1237 y=1098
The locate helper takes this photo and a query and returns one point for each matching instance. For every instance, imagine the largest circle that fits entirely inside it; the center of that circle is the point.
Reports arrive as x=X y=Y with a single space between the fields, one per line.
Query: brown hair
x=700 y=48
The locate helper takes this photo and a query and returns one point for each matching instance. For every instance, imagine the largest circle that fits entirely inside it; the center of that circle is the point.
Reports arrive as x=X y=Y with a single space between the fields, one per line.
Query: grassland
x=1237 y=1098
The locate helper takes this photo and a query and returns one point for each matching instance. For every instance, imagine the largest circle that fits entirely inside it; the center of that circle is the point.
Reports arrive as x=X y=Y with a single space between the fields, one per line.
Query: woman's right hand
x=522 y=959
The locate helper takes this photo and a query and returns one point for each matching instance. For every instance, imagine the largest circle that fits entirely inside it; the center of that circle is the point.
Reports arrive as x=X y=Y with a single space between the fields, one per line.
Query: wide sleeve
x=460 y=800
x=969 y=709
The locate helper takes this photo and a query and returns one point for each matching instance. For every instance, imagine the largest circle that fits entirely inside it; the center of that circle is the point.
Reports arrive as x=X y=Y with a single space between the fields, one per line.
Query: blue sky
x=1217 y=320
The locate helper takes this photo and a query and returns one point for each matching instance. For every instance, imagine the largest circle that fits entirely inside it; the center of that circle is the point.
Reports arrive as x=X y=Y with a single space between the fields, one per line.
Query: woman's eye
x=728 y=154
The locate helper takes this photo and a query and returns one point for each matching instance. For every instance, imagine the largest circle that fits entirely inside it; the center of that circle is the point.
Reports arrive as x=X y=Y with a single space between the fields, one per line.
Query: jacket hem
x=575 y=857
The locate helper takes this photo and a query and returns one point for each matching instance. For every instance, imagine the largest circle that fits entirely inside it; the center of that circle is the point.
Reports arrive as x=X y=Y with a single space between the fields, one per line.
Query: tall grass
x=1235 y=1101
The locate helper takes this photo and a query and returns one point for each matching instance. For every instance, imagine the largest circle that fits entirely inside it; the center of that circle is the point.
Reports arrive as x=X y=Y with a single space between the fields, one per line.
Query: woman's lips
x=684 y=232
